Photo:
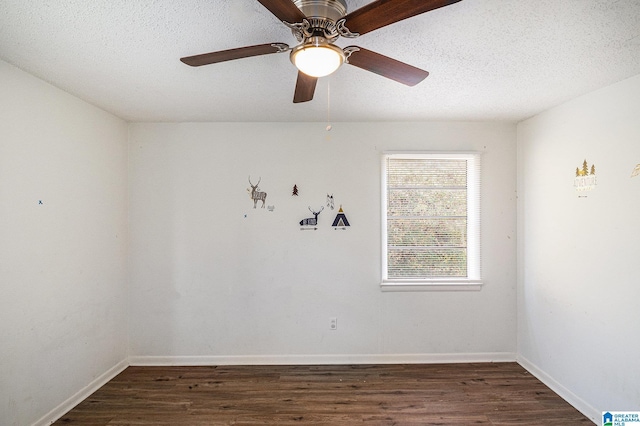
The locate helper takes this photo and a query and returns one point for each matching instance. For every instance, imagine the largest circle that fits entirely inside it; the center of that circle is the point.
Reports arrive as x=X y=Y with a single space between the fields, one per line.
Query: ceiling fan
x=317 y=24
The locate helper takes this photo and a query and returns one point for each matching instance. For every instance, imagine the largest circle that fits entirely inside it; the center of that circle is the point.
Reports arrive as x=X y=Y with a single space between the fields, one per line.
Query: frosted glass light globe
x=317 y=60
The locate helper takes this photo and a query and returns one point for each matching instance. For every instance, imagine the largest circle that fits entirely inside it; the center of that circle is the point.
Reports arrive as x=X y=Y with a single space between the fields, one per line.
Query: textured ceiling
x=488 y=59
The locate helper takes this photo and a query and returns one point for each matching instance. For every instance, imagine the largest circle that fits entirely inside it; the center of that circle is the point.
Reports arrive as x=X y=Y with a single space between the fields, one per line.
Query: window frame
x=473 y=280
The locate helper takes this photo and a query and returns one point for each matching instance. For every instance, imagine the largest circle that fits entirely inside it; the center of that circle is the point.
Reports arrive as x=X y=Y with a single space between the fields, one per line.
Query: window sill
x=435 y=285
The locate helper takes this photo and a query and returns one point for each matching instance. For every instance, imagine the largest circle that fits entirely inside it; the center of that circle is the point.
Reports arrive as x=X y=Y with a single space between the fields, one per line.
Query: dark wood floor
x=432 y=394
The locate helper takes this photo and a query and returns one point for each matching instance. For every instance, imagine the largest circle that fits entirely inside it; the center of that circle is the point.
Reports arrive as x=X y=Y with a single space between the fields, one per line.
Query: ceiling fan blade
x=381 y=13
x=284 y=10
x=305 y=88
x=385 y=66
x=228 y=55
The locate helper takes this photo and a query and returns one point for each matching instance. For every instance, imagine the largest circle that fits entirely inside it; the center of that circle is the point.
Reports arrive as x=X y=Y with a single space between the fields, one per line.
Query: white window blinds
x=431 y=216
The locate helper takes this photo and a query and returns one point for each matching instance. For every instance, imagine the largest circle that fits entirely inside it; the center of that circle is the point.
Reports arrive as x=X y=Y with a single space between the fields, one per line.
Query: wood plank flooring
x=423 y=394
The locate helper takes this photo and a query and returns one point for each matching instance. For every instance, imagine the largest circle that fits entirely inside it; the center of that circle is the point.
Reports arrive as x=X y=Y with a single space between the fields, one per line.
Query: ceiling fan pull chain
x=328 y=105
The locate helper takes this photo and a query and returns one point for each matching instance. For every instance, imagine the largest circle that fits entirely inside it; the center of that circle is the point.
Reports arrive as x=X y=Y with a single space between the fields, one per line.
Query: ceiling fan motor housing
x=321 y=20
x=327 y=9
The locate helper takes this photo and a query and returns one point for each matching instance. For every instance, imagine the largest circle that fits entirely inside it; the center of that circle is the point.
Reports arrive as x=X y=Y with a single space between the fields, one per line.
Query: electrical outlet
x=333 y=323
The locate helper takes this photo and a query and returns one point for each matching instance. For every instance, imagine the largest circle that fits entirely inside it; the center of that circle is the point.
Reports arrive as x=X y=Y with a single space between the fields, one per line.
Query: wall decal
x=256 y=195
x=295 y=190
x=636 y=171
x=330 y=201
x=340 y=222
x=311 y=221
x=271 y=208
x=585 y=179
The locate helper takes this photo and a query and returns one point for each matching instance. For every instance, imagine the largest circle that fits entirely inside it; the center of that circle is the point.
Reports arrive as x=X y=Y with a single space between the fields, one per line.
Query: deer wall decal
x=311 y=221
x=256 y=195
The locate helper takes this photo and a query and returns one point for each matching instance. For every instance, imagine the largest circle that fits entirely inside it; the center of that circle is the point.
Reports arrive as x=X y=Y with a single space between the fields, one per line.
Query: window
x=431 y=221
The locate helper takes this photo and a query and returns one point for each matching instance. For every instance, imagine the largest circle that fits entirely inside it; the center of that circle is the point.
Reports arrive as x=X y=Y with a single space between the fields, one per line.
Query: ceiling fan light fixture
x=317 y=58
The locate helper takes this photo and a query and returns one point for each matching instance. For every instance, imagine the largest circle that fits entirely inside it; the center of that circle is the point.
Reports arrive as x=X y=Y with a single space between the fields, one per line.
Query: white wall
x=214 y=280
x=62 y=262
x=579 y=320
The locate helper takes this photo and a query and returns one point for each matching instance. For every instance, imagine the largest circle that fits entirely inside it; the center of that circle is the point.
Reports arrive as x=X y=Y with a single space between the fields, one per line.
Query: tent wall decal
x=341 y=219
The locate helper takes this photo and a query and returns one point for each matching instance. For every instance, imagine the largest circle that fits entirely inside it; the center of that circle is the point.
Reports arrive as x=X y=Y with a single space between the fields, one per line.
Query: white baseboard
x=577 y=402
x=82 y=394
x=321 y=359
